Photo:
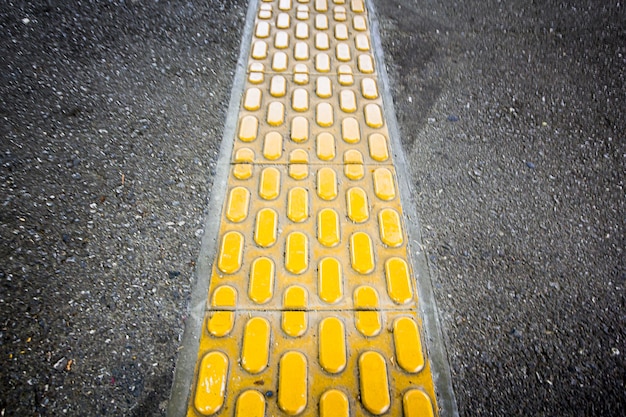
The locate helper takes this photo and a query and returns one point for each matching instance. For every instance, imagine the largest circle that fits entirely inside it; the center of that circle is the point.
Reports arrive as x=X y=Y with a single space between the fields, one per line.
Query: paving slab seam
x=312 y=302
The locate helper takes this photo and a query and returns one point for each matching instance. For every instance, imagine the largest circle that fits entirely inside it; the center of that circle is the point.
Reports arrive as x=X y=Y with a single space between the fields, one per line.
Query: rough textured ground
x=111 y=116
x=512 y=117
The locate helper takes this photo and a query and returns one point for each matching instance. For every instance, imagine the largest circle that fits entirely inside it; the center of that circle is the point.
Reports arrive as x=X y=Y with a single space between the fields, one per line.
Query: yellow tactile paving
x=312 y=305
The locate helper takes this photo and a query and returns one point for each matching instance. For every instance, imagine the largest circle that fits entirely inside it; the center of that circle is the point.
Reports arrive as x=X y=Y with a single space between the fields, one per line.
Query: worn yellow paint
x=211 y=387
x=231 y=252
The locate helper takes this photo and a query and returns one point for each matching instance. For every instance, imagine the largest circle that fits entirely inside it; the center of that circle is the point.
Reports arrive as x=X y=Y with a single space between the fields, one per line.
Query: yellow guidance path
x=312 y=304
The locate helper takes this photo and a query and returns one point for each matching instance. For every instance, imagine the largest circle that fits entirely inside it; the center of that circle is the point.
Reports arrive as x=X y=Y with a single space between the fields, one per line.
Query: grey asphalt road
x=511 y=114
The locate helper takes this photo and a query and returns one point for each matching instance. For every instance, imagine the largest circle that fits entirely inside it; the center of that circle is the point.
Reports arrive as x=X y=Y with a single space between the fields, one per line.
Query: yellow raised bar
x=221 y=322
x=231 y=253
x=325 y=146
x=416 y=403
x=362 y=253
x=265 y=227
x=261 y=286
x=300 y=100
x=281 y=40
x=358 y=209
x=334 y=403
x=297 y=253
x=408 y=345
x=292 y=383
x=374 y=382
x=369 y=89
x=273 y=146
x=389 y=227
x=367 y=318
x=269 y=186
x=359 y=24
x=275 y=113
x=298 y=164
x=378 y=147
x=365 y=64
x=248 y=128
x=256 y=73
x=398 y=280
x=294 y=321
x=279 y=61
x=299 y=129
x=353 y=164
x=383 y=184
x=237 y=205
x=242 y=170
x=323 y=87
x=324 y=114
x=250 y=403
x=350 y=131
x=278 y=86
x=332 y=341
x=298 y=204
x=326 y=184
x=328 y=227
x=373 y=115
x=330 y=282
x=256 y=345
x=252 y=100
x=211 y=385
x=347 y=101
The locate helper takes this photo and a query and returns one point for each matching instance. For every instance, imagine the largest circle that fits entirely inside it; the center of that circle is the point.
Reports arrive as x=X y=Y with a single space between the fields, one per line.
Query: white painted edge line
x=188 y=353
x=446 y=400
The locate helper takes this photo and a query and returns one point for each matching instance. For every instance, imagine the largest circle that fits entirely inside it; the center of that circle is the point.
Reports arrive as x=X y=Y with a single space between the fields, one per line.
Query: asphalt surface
x=511 y=116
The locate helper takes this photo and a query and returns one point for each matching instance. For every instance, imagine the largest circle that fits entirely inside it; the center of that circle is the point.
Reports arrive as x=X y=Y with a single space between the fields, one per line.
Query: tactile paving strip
x=312 y=306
